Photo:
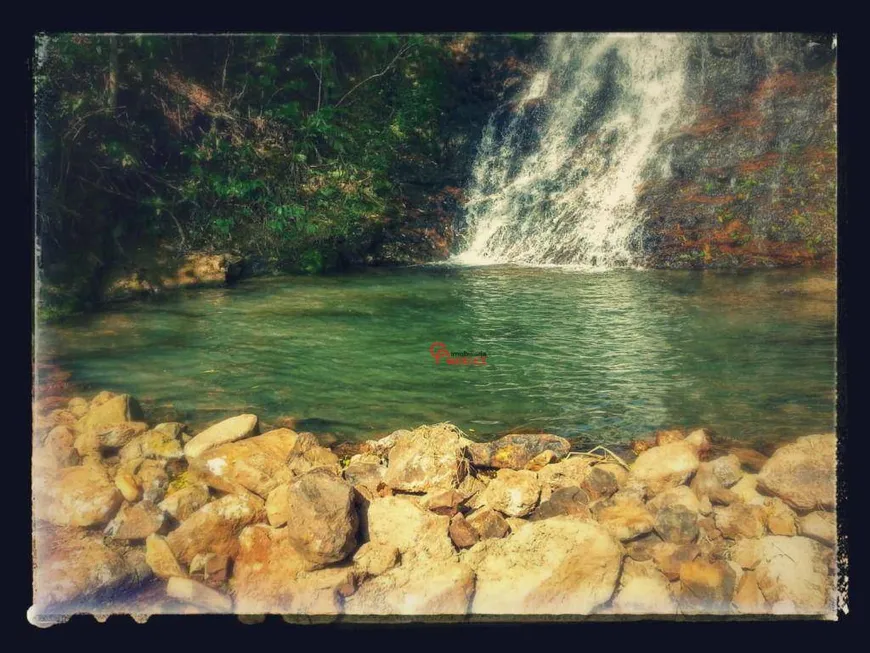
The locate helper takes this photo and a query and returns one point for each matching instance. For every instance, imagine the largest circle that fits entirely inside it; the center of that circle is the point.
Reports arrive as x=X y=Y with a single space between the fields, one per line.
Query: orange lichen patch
x=779 y=82
x=759 y=163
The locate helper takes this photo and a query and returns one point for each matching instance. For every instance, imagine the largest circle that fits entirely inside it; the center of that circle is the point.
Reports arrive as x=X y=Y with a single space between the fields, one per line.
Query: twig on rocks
x=601 y=457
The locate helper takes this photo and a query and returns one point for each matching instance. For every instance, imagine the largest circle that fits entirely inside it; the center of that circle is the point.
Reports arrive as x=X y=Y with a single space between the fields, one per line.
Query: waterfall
x=557 y=172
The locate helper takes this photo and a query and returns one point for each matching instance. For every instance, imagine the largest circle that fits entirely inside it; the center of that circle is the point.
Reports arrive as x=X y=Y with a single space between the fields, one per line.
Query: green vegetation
x=286 y=148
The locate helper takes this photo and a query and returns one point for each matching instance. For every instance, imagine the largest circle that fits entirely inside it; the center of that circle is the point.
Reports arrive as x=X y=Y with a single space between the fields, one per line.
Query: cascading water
x=556 y=174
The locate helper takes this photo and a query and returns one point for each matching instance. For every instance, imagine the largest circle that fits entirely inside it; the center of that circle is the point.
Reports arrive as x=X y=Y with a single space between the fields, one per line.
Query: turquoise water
x=600 y=357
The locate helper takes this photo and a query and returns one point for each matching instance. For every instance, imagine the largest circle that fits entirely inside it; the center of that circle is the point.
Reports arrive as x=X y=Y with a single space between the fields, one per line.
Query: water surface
x=601 y=357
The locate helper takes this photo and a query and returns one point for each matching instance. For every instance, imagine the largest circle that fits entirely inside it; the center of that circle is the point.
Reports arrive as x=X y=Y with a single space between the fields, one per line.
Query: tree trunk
x=112 y=87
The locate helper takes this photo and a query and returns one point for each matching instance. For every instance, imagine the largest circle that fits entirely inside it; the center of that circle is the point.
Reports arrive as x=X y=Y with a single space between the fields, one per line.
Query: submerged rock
x=582 y=566
x=518 y=450
x=804 y=473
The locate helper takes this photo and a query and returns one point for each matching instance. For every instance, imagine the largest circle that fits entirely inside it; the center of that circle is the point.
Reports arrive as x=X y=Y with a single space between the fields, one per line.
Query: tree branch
x=401 y=51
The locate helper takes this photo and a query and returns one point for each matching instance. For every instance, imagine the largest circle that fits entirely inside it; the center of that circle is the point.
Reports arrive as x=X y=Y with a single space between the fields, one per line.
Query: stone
x=699 y=440
x=513 y=493
x=182 y=503
x=678 y=496
x=749 y=458
x=745 y=490
x=426 y=459
x=136 y=521
x=488 y=524
x=669 y=436
x=619 y=472
x=60 y=443
x=670 y=557
x=820 y=526
x=746 y=553
x=705 y=506
x=664 y=467
x=74 y=567
x=160 y=558
x=118 y=409
x=383 y=446
x=542 y=460
x=643 y=589
x=399 y=522
x=215 y=527
x=261 y=463
x=271 y=576
x=445 y=502
x=229 y=430
x=676 y=523
x=804 y=473
x=115 y=436
x=570 y=472
x=189 y=591
x=740 y=520
x=727 y=470
x=78 y=406
x=556 y=566
x=321 y=518
x=153 y=479
x=793 y=569
x=516 y=451
x=462 y=533
x=624 y=515
x=100 y=398
x=373 y=559
x=425 y=587
x=153 y=444
x=600 y=484
x=564 y=501
x=711 y=583
x=210 y=568
x=370 y=475
x=128 y=486
x=77 y=496
x=748 y=599
x=707 y=484
x=779 y=518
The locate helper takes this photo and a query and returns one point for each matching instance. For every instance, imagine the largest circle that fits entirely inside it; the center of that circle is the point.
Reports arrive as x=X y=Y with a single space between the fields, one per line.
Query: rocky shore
x=146 y=519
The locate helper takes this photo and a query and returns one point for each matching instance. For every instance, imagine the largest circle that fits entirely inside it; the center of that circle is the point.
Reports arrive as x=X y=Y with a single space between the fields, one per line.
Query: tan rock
x=643 y=589
x=400 y=523
x=100 y=398
x=664 y=467
x=749 y=458
x=570 y=472
x=745 y=490
x=160 y=558
x=128 y=486
x=600 y=483
x=727 y=470
x=78 y=406
x=229 y=430
x=152 y=477
x=669 y=436
x=136 y=521
x=819 y=526
x=487 y=523
x=153 y=444
x=115 y=436
x=624 y=515
x=367 y=474
x=426 y=459
x=542 y=460
x=780 y=519
x=804 y=473
x=699 y=440
x=513 y=493
x=120 y=408
x=517 y=450
x=182 y=503
x=740 y=520
x=60 y=443
x=374 y=559
x=794 y=569
x=677 y=496
x=215 y=527
x=185 y=589
x=746 y=553
x=748 y=599
x=580 y=573
x=444 y=502
x=77 y=496
x=706 y=483
x=563 y=501
x=210 y=568
x=711 y=583
x=669 y=557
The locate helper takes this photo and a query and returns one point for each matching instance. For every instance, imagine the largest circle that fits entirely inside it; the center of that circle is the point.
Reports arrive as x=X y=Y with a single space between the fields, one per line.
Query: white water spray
x=556 y=176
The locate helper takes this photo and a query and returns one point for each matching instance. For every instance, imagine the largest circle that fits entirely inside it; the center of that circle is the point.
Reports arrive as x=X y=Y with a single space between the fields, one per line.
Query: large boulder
x=215 y=527
x=561 y=565
x=517 y=450
x=320 y=516
x=426 y=459
x=400 y=523
x=271 y=576
x=260 y=464
x=804 y=473
x=229 y=430
x=664 y=467
x=794 y=569
x=77 y=496
x=153 y=444
x=513 y=493
x=76 y=566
